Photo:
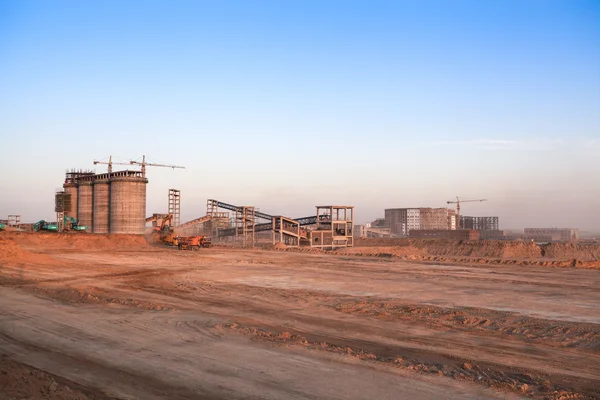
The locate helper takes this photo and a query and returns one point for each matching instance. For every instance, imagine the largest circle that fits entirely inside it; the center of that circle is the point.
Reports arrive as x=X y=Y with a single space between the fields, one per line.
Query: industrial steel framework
x=333 y=226
x=245 y=221
x=284 y=230
x=175 y=206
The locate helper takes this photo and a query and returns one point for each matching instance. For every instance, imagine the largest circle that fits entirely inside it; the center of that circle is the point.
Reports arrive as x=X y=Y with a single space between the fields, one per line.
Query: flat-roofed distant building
x=551 y=234
x=479 y=223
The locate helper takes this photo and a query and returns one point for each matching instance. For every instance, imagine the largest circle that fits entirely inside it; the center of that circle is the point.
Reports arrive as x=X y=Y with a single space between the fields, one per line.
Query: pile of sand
x=279 y=246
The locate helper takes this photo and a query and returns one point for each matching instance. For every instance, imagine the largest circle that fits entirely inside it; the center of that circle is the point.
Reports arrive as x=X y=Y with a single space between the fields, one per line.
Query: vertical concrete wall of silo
x=101 y=217
x=84 y=203
x=127 y=205
x=71 y=189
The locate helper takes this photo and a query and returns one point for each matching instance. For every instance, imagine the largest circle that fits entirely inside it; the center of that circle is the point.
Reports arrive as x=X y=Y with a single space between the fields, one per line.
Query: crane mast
x=110 y=163
x=457 y=202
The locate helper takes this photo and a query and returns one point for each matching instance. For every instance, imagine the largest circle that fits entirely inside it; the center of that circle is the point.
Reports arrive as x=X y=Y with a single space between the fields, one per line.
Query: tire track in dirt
x=526 y=382
x=129 y=379
x=559 y=333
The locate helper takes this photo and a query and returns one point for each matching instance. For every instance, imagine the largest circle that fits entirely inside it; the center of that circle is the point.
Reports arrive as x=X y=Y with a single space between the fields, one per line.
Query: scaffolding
x=175 y=206
x=62 y=205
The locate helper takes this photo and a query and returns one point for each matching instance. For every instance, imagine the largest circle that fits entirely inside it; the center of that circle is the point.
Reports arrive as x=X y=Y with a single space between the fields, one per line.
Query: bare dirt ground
x=98 y=317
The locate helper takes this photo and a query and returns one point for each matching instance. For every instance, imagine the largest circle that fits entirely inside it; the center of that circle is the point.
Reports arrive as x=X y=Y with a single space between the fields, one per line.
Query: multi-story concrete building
x=360 y=231
x=452 y=219
x=479 y=223
x=461 y=234
x=403 y=220
x=551 y=234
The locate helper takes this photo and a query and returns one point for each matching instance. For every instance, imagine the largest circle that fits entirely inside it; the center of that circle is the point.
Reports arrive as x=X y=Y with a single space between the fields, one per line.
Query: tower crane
x=457 y=202
x=110 y=163
x=144 y=164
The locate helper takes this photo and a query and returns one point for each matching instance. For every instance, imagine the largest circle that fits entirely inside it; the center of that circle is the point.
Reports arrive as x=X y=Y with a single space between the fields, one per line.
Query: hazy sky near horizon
x=289 y=104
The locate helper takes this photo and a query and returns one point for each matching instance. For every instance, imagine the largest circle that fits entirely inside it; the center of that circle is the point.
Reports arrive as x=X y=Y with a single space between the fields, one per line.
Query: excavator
x=71 y=224
x=45 y=226
x=164 y=230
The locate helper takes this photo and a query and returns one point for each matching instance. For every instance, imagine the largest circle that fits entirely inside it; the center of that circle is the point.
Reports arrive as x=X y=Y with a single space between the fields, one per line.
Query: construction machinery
x=45 y=226
x=193 y=242
x=110 y=163
x=71 y=224
x=2 y=226
x=165 y=225
x=164 y=231
x=457 y=202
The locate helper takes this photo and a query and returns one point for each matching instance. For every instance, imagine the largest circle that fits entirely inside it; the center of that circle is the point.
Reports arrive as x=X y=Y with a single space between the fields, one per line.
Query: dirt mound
x=509 y=250
x=12 y=252
x=563 y=251
x=482 y=248
x=79 y=241
x=384 y=251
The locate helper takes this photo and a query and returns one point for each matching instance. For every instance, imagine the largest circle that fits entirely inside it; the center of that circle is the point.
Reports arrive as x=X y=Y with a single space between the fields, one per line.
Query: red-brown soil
x=482 y=252
x=98 y=317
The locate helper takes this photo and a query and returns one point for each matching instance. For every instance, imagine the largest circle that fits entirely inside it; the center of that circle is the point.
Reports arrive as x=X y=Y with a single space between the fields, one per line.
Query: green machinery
x=71 y=224
x=45 y=226
x=2 y=226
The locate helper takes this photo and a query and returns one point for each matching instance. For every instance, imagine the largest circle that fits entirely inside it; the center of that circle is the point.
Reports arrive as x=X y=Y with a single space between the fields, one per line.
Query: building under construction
x=479 y=223
x=402 y=221
x=113 y=202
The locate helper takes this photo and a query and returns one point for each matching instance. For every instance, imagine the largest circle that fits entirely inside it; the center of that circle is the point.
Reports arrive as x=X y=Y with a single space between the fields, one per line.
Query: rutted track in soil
x=21 y=381
x=578 y=335
x=344 y=306
x=535 y=385
x=560 y=333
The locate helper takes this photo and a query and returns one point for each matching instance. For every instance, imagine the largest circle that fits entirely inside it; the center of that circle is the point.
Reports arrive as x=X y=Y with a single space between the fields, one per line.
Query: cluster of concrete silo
x=108 y=203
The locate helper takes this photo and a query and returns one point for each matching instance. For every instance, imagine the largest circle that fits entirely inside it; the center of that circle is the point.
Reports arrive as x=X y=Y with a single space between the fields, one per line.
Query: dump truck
x=45 y=226
x=71 y=224
x=193 y=242
x=169 y=238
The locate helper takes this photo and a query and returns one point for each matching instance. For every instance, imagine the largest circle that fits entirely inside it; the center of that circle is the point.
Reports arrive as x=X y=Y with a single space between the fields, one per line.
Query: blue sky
x=285 y=105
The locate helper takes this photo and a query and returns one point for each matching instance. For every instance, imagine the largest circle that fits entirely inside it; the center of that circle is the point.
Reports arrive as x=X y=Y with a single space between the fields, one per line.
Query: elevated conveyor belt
x=239 y=209
x=268 y=226
x=195 y=221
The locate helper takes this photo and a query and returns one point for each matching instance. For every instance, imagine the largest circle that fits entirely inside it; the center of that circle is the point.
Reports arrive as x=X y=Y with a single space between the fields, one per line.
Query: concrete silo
x=71 y=190
x=127 y=208
x=84 y=202
x=101 y=204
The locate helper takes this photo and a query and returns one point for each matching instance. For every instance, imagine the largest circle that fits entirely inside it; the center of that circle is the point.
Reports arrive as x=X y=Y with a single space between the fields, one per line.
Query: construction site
x=114 y=301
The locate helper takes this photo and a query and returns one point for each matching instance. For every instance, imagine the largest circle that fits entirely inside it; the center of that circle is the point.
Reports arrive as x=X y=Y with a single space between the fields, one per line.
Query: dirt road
x=157 y=323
